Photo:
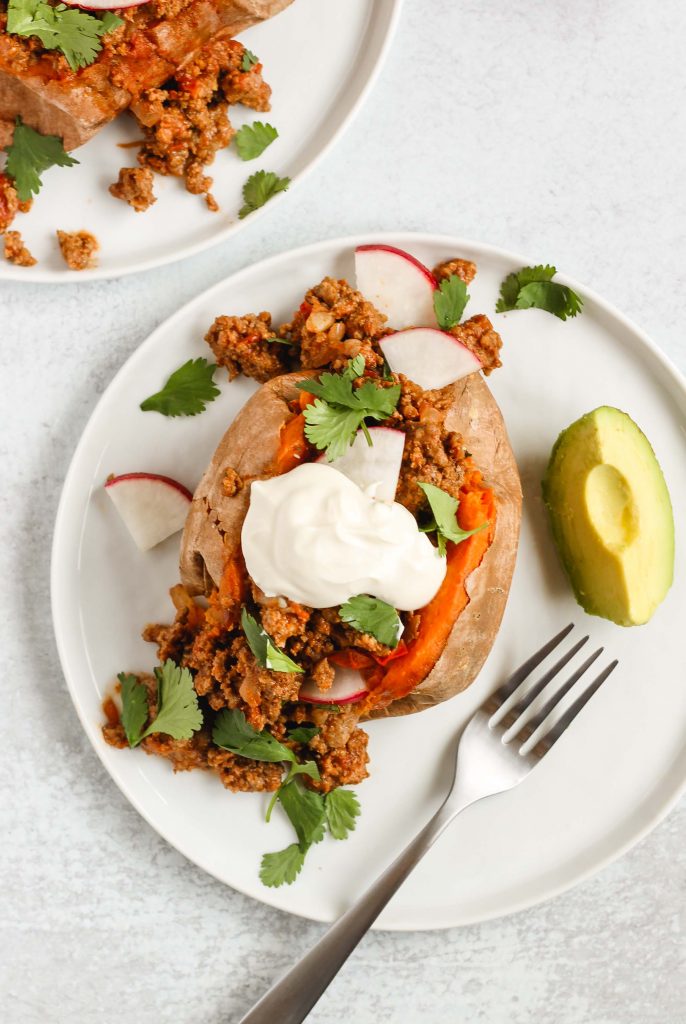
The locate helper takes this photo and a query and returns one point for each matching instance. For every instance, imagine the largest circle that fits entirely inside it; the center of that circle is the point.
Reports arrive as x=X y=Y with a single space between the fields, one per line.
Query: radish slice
x=429 y=357
x=153 y=507
x=397 y=284
x=105 y=5
x=348 y=686
x=377 y=466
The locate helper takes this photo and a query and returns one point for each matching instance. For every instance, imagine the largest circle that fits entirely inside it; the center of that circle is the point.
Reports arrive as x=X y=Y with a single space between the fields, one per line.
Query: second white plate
x=614 y=775
x=320 y=59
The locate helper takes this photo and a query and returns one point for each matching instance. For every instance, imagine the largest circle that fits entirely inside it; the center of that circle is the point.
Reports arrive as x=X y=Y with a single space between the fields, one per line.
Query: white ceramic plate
x=603 y=787
x=320 y=58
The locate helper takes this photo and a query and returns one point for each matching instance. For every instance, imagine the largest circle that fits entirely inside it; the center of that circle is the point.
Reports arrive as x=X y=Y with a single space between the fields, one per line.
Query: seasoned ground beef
x=481 y=338
x=9 y=202
x=432 y=454
x=464 y=269
x=333 y=324
x=186 y=121
x=78 y=249
x=134 y=186
x=242 y=345
x=15 y=251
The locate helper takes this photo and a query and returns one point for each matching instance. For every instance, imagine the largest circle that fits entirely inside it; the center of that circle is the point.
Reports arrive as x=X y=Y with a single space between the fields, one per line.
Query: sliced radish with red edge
x=429 y=357
x=397 y=284
x=153 y=507
x=105 y=5
x=348 y=686
x=376 y=466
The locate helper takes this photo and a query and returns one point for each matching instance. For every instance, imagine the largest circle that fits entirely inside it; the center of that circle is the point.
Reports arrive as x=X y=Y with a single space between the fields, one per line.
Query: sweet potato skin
x=251 y=445
x=75 y=105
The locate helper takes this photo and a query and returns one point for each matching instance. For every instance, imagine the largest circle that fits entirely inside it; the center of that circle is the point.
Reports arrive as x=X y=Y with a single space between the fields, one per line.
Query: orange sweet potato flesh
x=477 y=508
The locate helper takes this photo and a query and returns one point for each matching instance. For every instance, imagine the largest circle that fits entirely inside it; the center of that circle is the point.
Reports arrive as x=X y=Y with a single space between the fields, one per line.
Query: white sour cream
x=313 y=536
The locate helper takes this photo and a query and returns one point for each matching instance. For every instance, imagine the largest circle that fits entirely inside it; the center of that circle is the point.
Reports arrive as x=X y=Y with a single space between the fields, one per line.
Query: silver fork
x=490 y=760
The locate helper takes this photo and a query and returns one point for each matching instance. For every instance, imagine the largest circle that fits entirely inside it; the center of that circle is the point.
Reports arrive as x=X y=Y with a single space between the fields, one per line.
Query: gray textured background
x=554 y=129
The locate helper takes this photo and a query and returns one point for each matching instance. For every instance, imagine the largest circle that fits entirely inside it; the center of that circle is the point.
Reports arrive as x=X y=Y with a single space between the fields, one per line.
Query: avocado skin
x=591 y=594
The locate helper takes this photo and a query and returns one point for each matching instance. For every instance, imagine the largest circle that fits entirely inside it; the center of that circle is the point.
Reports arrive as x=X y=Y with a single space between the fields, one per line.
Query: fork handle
x=291 y=998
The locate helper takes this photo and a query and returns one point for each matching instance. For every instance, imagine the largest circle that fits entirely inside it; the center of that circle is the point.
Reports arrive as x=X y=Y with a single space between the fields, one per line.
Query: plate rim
x=399 y=238
x=391 y=11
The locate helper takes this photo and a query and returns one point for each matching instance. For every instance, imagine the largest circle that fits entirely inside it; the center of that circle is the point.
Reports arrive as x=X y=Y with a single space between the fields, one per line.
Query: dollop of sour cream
x=312 y=535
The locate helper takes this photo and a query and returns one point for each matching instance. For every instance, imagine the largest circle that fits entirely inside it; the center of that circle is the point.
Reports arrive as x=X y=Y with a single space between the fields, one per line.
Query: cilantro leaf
x=29 y=154
x=306 y=813
x=187 y=392
x=178 y=712
x=134 y=714
x=253 y=139
x=279 y=341
x=261 y=644
x=282 y=867
x=72 y=31
x=232 y=732
x=342 y=807
x=249 y=60
x=533 y=287
x=303 y=733
x=259 y=189
x=450 y=299
x=373 y=616
x=339 y=410
x=444 y=508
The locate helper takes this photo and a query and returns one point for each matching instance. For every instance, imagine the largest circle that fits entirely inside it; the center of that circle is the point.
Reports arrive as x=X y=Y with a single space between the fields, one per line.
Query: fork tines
x=514 y=698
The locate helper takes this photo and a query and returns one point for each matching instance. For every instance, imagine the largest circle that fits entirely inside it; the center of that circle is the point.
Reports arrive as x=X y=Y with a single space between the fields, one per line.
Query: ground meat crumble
x=331 y=325
x=15 y=251
x=78 y=249
x=186 y=121
x=134 y=186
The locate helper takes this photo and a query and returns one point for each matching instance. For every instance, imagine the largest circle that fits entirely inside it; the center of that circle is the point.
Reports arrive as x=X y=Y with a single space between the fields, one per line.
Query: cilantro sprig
x=444 y=511
x=259 y=189
x=253 y=139
x=310 y=814
x=29 y=154
x=340 y=410
x=187 y=392
x=72 y=31
x=450 y=299
x=371 y=615
x=263 y=647
x=533 y=287
x=178 y=712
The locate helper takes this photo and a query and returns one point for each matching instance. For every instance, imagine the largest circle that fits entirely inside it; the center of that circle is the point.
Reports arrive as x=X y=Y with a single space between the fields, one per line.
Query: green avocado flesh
x=611 y=516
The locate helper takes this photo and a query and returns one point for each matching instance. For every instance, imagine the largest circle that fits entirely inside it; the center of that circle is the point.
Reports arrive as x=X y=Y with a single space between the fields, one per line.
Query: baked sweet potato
x=252 y=445
x=141 y=55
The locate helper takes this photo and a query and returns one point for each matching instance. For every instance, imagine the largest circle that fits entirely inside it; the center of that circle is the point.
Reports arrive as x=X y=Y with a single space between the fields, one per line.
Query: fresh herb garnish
x=444 y=508
x=339 y=410
x=261 y=644
x=178 y=713
x=309 y=813
x=249 y=60
x=279 y=341
x=72 y=31
x=259 y=189
x=450 y=299
x=533 y=287
x=187 y=392
x=373 y=616
x=303 y=733
x=253 y=139
x=29 y=154
x=342 y=807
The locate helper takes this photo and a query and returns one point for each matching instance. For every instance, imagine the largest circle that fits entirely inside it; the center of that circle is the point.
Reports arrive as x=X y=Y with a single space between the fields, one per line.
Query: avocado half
x=611 y=516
